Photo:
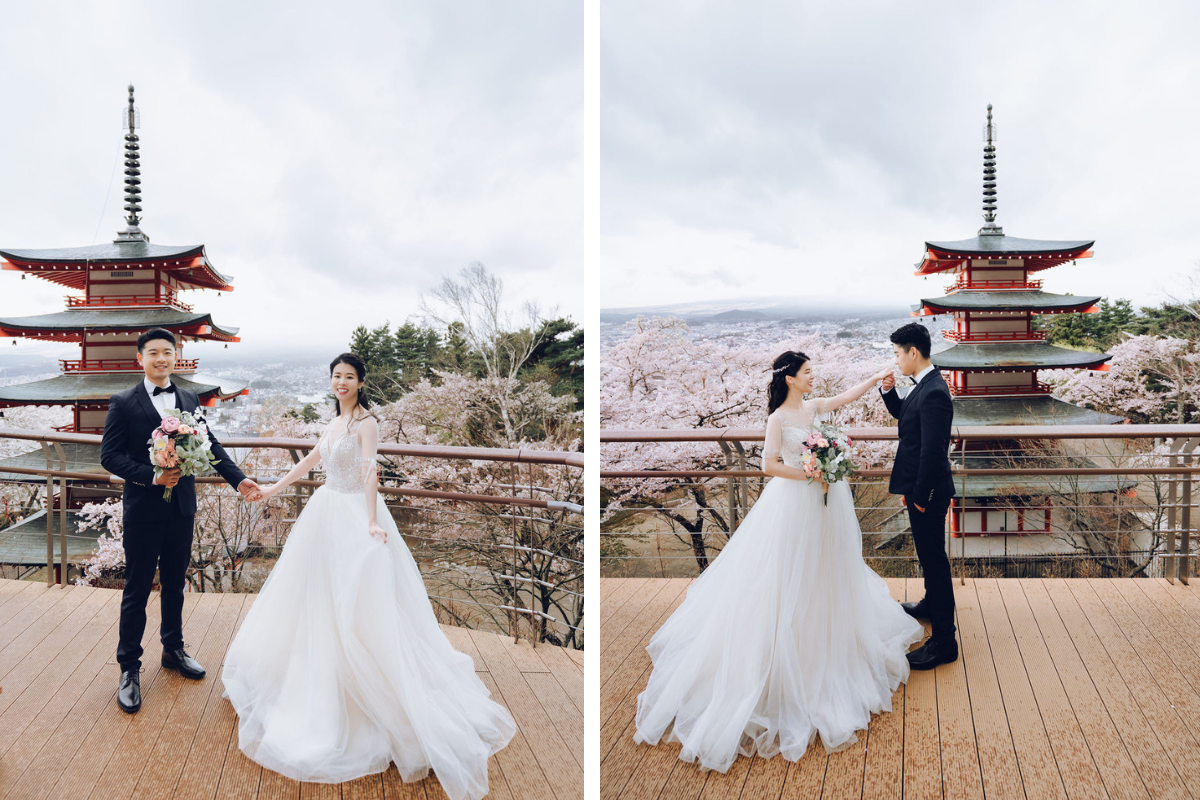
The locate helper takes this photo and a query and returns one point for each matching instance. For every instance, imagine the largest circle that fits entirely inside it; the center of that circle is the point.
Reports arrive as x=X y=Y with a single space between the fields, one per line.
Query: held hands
x=377 y=532
x=169 y=477
x=252 y=492
x=889 y=379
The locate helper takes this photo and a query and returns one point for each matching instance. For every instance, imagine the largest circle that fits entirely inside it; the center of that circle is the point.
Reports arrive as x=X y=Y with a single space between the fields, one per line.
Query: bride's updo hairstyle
x=785 y=365
x=359 y=367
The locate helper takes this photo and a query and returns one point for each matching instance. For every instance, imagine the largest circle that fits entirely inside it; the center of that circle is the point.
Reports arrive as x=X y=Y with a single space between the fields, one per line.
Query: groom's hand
x=918 y=508
x=249 y=489
x=169 y=477
x=889 y=382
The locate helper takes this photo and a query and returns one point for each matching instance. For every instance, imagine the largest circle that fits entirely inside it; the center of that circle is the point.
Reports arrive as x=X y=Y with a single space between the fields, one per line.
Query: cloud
x=811 y=148
x=337 y=162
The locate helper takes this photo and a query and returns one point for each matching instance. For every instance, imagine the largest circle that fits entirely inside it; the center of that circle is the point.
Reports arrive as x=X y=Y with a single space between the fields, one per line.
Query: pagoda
x=996 y=354
x=128 y=286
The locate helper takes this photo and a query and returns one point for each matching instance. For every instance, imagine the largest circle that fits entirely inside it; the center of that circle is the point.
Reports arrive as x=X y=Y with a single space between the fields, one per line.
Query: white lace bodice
x=795 y=429
x=347 y=462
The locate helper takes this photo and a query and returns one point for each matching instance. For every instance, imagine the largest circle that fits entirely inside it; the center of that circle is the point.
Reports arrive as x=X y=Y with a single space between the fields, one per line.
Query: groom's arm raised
x=937 y=414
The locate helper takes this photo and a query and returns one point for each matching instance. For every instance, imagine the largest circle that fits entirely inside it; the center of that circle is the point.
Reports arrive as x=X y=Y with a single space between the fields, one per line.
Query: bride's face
x=802 y=380
x=344 y=382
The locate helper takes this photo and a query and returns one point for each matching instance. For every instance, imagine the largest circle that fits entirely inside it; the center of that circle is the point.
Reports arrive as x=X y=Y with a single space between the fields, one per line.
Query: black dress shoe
x=916 y=610
x=932 y=653
x=129 y=693
x=182 y=663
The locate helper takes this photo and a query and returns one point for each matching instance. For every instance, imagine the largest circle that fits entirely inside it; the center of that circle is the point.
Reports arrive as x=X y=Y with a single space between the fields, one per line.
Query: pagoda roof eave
x=65 y=263
x=1014 y=356
x=1037 y=301
x=68 y=389
x=941 y=256
x=82 y=320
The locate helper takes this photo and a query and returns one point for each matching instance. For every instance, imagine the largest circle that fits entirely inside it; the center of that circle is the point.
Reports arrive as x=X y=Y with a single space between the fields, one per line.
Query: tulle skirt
x=340 y=668
x=787 y=636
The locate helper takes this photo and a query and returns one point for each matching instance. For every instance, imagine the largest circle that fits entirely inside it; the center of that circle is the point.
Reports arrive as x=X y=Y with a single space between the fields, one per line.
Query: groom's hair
x=156 y=333
x=913 y=335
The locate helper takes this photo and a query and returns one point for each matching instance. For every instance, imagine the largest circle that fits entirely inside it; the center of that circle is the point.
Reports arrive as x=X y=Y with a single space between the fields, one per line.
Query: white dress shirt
x=164 y=400
x=917 y=378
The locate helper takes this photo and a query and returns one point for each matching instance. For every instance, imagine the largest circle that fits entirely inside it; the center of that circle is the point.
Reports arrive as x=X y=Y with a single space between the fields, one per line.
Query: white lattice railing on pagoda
x=962 y=284
x=994 y=336
x=1000 y=391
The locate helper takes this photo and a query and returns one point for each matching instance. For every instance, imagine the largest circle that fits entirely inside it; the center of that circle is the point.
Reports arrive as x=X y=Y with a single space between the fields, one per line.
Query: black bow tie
x=170 y=389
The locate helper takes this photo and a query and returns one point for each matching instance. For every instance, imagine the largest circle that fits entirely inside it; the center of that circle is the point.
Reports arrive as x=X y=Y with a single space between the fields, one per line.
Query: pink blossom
x=158 y=434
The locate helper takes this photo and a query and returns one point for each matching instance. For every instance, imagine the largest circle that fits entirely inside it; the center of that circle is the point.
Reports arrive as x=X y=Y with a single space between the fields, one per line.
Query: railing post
x=1172 y=516
x=512 y=479
x=962 y=515
x=49 y=516
x=62 y=516
x=743 y=488
x=730 y=487
x=1186 y=513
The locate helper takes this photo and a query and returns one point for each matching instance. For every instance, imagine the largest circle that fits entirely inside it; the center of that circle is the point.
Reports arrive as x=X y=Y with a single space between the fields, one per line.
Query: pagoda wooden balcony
x=71 y=428
x=962 y=284
x=1064 y=688
x=62 y=734
x=1038 y=388
x=983 y=337
x=127 y=301
x=86 y=365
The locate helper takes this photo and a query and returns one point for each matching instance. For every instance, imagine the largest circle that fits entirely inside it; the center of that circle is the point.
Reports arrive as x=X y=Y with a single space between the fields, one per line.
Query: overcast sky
x=760 y=148
x=336 y=159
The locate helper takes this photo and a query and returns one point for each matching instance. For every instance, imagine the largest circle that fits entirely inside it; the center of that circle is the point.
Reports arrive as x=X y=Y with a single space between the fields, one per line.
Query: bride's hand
x=884 y=374
x=377 y=532
x=266 y=492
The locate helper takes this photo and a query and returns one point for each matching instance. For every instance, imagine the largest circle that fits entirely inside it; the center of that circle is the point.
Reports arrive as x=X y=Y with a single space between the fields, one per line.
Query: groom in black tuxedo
x=921 y=473
x=158 y=532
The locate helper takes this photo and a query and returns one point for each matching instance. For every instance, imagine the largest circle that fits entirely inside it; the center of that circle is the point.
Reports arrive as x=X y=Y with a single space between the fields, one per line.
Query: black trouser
x=159 y=537
x=929 y=536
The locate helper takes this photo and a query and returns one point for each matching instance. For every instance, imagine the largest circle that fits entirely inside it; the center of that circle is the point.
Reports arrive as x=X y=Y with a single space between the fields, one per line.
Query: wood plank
x=686 y=782
x=649 y=618
x=320 y=791
x=576 y=656
x=635 y=660
x=1072 y=755
x=522 y=772
x=1181 y=695
x=728 y=785
x=613 y=630
x=1169 y=622
x=566 y=718
x=273 y=786
x=17 y=604
x=1112 y=761
x=33 y=682
x=10 y=588
x=174 y=741
x=1095 y=623
x=216 y=733
x=22 y=632
x=626 y=590
x=922 y=747
x=961 y=774
x=765 y=780
x=460 y=639
x=1140 y=739
x=525 y=656
x=564 y=671
x=993 y=735
x=396 y=789
x=556 y=760
x=105 y=722
x=883 y=767
x=806 y=778
x=1035 y=756
x=137 y=741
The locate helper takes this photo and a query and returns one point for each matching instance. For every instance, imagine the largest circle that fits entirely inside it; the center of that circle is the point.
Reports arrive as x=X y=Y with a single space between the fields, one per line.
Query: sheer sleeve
x=773 y=442
x=368 y=439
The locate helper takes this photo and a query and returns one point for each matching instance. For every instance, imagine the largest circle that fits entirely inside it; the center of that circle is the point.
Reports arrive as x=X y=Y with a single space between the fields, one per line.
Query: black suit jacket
x=922 y=469
x=125 y=450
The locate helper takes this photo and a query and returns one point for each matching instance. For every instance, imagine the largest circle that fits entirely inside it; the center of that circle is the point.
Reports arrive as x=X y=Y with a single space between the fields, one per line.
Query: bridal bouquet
x=827 y=456
x=180 y=441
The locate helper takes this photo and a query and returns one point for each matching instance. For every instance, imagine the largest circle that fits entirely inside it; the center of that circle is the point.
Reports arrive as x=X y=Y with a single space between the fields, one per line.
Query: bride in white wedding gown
x=339 y=667
x=788 y=634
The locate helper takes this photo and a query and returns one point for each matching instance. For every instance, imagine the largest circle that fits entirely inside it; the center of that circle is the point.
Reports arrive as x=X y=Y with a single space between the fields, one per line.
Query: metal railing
x=533 y=516
x=1086 y=473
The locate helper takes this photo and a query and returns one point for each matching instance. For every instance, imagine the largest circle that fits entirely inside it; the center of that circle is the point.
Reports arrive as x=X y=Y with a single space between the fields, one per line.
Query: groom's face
x=157 y=359
x=906 y=360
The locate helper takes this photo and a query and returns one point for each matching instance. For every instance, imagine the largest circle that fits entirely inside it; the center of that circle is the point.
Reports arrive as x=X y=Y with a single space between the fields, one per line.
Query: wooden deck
x=62 y=734
x=1070 y=688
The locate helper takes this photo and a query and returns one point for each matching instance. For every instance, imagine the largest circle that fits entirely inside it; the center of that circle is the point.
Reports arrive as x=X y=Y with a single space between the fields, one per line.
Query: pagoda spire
x=990 y=228
x=133 y=180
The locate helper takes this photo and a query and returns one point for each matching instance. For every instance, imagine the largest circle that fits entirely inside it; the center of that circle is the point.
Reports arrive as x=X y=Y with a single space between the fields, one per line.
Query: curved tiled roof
x=82 y=319
x=1010 y=355
x=1008 y=301
x=69 y=388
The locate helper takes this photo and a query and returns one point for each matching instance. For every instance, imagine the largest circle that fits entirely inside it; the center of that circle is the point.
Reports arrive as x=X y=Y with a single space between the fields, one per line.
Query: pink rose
x=170 y=424
x=821 y=442
x=186 y=430
x=157 y=434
